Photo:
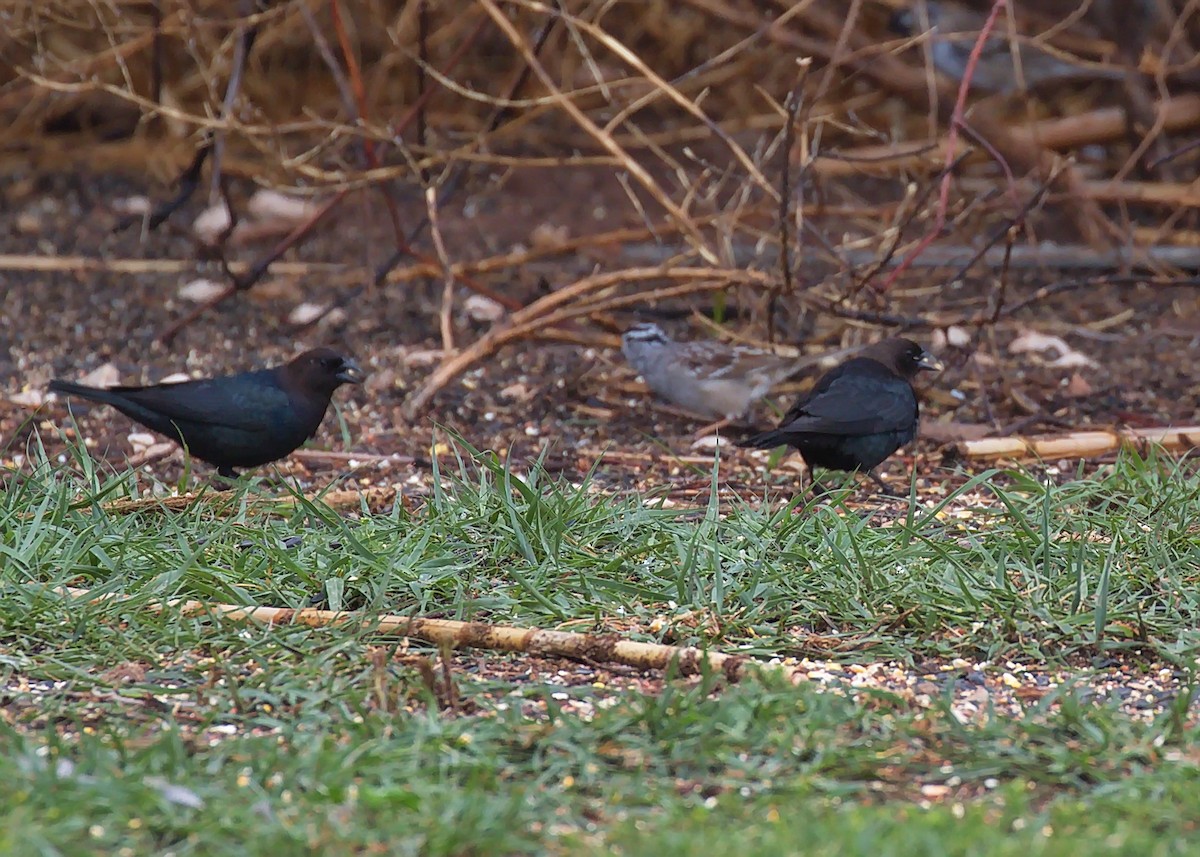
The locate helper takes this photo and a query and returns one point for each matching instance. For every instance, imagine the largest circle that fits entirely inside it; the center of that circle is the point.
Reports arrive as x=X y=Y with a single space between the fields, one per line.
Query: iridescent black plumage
x=859 y=413
x=242 y=420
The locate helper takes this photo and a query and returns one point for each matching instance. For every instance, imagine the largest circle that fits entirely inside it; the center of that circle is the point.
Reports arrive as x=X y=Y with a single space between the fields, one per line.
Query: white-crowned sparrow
x=710 y=379
x=953 y=31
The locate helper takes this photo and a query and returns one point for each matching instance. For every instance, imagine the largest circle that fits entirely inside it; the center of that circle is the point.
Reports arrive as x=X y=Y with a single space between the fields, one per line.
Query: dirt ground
x=1136 y=346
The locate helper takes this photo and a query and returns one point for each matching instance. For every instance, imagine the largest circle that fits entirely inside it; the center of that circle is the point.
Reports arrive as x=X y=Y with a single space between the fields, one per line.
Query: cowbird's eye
x=333 y=364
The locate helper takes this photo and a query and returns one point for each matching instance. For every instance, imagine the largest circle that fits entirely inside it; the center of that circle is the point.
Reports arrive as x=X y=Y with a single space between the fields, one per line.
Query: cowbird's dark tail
x=95 y=394
x=763 y=440
x=127 y=401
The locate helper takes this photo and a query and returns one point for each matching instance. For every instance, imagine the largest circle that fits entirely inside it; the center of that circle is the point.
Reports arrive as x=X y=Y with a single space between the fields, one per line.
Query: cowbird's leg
x=803 y=507
x=883 y=486
x=223 y=480
x=817 y=488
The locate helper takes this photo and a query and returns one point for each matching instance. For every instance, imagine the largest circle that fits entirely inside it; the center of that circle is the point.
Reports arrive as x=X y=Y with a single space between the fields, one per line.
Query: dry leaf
x=153 y=453
x=141 y=441
x=138 y=205
x=211 y=222
x=957 y=337
x=275 y=206
x=482 y=308
x=517 y=392
x=1034 y=341
x=200 y=290
x=1078 y=387
x=419 y=356
x=28 y=398
x=383 y=380
x=28 y=223
x=105 y=375
x=1071 y=360
x=306 y=313
x=953 y=337
x=547 y=237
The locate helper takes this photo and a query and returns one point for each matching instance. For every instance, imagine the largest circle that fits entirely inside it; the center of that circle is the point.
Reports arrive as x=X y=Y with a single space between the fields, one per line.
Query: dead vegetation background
x=800 y=166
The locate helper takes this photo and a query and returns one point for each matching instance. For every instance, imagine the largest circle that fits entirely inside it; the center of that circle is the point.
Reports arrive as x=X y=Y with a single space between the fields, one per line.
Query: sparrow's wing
x=714 y=359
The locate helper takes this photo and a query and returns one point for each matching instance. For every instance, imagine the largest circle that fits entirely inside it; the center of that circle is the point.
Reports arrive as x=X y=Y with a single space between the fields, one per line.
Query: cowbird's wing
x=250 y=402
x=864 y=398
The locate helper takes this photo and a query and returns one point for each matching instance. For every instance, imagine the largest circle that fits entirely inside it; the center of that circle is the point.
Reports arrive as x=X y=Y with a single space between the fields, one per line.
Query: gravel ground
x=1137 y=348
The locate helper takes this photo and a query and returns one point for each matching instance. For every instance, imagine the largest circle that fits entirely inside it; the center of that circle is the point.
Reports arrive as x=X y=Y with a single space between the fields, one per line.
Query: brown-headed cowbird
x=241 y=420
x=858 y=413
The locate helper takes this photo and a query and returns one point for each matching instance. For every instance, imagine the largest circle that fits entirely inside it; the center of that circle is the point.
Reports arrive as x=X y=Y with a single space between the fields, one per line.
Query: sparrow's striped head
x=643 y=345
x=645 y=333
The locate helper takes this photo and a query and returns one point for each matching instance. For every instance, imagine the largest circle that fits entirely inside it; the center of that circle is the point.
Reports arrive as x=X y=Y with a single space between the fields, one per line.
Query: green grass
x=126 y=728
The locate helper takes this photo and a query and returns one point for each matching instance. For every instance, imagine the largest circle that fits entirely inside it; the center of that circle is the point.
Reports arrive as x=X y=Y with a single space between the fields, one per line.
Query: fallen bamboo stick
x=336 y=500
x=1098 y=126
x=1065 y=257
x=1081 y=444
x=595 y=648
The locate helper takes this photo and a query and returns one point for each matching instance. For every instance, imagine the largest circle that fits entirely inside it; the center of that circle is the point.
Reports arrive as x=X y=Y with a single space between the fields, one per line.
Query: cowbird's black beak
x=351 y=373
x=928 y=361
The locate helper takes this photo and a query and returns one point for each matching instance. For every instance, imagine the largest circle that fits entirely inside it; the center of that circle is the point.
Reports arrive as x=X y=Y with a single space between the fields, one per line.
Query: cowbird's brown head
x=902 y=356
x=322 y=370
